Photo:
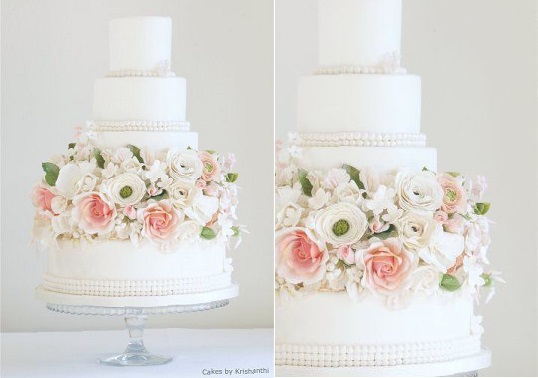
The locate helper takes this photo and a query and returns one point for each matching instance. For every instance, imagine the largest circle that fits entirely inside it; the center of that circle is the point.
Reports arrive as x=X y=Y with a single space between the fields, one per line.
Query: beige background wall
x=51 y=53
x=478 y=63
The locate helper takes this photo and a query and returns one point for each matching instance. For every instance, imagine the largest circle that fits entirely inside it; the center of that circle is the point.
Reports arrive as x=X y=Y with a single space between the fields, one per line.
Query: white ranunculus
x=67 y=180
x=415 y=230
x=184 y=165
x=182 y=193
x=341 y=224
x=126 y=189
x=419 y=191
x=202 y=208
x=189 y=230
x=443 y=250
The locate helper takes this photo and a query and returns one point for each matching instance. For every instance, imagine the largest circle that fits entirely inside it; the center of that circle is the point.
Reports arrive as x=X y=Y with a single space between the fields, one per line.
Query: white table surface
x=75 y=354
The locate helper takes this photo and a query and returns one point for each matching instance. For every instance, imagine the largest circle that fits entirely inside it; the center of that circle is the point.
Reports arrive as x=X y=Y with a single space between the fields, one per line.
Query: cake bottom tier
x=118 y=269
x=330 y=330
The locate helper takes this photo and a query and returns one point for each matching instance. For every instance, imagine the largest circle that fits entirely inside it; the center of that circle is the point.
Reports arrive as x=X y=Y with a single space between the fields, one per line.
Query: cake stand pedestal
x=135 y=311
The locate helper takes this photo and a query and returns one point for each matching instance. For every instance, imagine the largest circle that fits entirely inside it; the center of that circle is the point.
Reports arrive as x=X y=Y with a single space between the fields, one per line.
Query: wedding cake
x=133 y=214
x=378 y=257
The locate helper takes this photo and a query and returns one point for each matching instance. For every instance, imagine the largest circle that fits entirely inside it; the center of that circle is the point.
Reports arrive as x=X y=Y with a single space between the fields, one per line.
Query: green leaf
x=232 y=177
x=425 y=168
x=210 y=151
x=354 y=174
x=159 y=197
x=481 y=208
x=391 y=231
x=487 y=279
x=236 y=230
x=453 y=174
x=100 y=159
x=71 y=145
x=449 y=283
x=207 y=233
x=305 y=182
x=136 y=152
x=51 y=173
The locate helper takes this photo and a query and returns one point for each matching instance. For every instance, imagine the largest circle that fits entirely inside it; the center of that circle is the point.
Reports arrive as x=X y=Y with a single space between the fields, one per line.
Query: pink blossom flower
x=377 y=226
x=454 y=198
x=211 y=168
x=160 y=221
x=479 y=186
x=212 y=189
x=298 y=257
x=42 y=199
x=130 y=212
x=201 y=183
x=93 y=213
x=346 y=253
x=154 y=191
x=386 y=265
x=440 y=216
x=454 y=224
x=228 y=162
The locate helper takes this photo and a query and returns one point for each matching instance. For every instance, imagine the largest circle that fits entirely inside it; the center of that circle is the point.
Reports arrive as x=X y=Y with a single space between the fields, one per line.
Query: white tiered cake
x=133 y=214
x=375 y=266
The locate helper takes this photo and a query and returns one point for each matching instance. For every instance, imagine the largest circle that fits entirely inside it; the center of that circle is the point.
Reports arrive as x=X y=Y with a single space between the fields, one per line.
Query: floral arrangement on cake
x=391 y=235
x=161 y=197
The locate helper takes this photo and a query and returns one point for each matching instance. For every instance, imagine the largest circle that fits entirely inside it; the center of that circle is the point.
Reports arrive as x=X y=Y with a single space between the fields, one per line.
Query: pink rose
x=440 y=216
x=347 y=254
x=42 y=199
x=210 y=165
x=160 y=221
x=298 y=257
x=386 y=265
x=454 y=198
x=93 y=213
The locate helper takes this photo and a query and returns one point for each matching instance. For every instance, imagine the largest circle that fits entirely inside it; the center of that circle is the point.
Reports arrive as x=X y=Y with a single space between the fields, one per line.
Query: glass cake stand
x=135 y=317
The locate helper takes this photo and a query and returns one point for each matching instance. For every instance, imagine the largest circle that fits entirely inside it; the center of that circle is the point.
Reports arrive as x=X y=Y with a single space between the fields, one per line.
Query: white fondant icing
x=120 y=260
x=367 y=103
x=379 y=158
x=334 y=319
x=360 y=32
x=139 y=98
x=150 y=139
x=139 y=43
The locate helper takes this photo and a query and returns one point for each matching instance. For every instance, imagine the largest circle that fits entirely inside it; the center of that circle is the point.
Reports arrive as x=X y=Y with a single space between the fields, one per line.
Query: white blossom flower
x=341 y=224
x=419 y=191
x=425 y=279
x=155 y=171
x=380 y=200
x=58 y=204
x=415 y=230
x=109 y=171
x=126 y=189
x=319 y=199
x=334 y=178
x=67 y=180
x=392 y=215
x=184 y=165
x=443 y=250
x=121 y=155
x=289 y=216
x=202 y=208
x=189 y=230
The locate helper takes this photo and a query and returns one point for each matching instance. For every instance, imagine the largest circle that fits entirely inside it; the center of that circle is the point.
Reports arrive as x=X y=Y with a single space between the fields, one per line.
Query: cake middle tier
x=139 y=98
x=379 y=158
x=155 y=140
x=351 y=103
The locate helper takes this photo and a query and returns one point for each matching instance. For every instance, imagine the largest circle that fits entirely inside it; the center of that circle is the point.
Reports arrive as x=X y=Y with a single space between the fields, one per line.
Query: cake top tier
x=140 y=43
x=359 y=32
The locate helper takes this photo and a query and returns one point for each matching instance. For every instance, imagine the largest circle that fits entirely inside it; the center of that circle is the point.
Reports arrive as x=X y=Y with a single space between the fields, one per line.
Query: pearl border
x=139 y=125
x=139 y=73
x=136 y=288
x=361 y=139
x=376 y=355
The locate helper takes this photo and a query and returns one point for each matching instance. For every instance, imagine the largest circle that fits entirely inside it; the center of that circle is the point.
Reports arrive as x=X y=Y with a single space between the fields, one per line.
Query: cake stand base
x=466 y=366
x=136 y=315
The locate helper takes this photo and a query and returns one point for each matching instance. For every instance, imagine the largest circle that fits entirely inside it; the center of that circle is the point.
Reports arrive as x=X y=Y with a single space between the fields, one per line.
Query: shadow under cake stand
x=135 y=310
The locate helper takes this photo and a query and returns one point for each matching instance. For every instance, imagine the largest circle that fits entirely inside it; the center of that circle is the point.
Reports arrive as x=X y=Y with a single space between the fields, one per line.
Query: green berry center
x=341 y=227
x=126 y=192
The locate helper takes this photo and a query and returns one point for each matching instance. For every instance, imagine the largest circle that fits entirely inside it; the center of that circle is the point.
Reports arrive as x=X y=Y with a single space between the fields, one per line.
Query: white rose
x=126 y=189
x=189 y=230
x=341 y=224
x=415 y=230
x=67 y=180
x=184 y=165
x=419 y=191
x=443 y=250
x=426 y=279
x=202 y=209
x=182 y=193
